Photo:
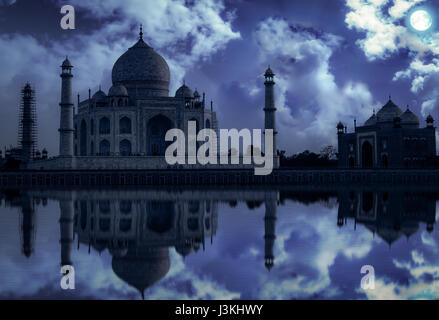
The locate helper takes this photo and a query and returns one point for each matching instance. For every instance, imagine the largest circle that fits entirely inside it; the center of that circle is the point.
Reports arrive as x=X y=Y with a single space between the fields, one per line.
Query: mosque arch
x=83 y=139
x=125 y=147
x=104 y=147
x=92 y=126
x=207 y=124
x=125 y=125
x=367 y=155
x=92 y=149
x=104 y=125
x=155 y=135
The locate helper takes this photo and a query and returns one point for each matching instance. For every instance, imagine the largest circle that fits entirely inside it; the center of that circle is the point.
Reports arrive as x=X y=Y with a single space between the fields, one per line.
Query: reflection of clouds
x=183 y=283
x=7 y=2
x=423 y=284
x=314 y=259
x=306 y=260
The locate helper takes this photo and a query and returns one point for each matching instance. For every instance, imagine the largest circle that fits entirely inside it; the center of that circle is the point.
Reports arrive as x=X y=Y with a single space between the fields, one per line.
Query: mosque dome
x=409 y=118
x=388 y=112
x=371 y=121
x=118 y=91
x=142 y=67
x=100 y=96
x=141 y=270
x=430 y=119
x=184 y=92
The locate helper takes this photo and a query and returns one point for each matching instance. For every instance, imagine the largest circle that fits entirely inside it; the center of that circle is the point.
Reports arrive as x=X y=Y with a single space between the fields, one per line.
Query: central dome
x=142 y=71
x=388 y=112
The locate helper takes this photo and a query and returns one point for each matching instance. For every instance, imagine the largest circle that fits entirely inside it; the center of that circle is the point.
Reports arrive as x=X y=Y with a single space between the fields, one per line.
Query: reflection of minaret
x=27 y=226
x=270 y=229
x=66 y=229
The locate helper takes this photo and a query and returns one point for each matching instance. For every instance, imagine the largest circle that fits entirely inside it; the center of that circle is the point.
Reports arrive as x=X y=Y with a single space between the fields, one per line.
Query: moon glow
x=421 y=20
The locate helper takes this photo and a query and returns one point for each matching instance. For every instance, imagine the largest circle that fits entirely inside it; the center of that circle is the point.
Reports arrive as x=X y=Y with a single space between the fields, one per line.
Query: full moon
x=421 y=20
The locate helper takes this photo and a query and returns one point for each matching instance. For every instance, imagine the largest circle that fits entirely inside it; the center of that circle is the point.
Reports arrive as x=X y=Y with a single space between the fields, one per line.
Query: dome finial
x=141 y=32
x=390 y=97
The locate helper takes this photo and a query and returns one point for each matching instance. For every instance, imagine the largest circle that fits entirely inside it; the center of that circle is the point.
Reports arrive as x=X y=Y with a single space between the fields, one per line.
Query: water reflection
x=389 y=214
x=139 y=231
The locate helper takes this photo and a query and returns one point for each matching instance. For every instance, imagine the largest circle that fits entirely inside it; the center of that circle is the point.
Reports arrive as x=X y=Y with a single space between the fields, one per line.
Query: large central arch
x=367 y=155
x=155 y=135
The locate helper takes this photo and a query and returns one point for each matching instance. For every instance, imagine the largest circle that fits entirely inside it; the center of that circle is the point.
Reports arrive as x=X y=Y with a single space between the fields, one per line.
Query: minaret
x=270 y=228
x=66 y=230
x=270 y=111
x=27 y=126
x=66 y=121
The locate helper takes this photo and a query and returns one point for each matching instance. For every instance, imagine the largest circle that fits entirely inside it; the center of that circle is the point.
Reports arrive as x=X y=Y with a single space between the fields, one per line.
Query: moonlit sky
x=334 y=60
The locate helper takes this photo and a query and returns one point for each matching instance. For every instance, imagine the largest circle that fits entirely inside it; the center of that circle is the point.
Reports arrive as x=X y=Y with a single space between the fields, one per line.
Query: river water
x=296 y=243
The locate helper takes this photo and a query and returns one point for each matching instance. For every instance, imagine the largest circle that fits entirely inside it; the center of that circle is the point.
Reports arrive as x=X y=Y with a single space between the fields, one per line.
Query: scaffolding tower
x=27 y=125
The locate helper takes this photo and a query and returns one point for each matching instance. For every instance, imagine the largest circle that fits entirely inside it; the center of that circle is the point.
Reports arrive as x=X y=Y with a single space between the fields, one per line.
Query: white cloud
x=309 y=101
x=386 y=33
x=184 y=34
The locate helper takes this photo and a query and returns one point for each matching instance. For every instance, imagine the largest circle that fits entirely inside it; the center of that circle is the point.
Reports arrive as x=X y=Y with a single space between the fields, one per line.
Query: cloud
x=386 y=34
x=185 y=34
x=309 y=101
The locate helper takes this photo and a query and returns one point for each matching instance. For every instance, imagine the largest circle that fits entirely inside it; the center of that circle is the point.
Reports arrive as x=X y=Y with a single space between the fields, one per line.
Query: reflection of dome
x=409 y=118
x=141 y=272
x=142 y=66
x=184 y=92
x=388 y=112
x=118 y=91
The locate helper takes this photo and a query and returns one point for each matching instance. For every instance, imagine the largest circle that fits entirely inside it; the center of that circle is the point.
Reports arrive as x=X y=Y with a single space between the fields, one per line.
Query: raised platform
x=216 y=177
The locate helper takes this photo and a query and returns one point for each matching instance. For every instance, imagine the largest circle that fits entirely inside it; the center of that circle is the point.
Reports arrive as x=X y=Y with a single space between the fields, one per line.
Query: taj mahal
x=126 y=127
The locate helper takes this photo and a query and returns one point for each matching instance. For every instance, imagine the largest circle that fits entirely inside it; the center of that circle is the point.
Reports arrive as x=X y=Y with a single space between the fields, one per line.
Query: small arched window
x=125 y=125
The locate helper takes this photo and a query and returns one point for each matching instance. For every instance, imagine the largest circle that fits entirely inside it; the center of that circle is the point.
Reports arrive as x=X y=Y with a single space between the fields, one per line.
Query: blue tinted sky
x=334 y=60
